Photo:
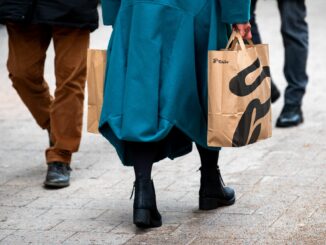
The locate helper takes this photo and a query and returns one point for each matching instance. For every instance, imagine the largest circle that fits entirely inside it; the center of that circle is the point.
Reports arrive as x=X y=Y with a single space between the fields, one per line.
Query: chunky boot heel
x=213 y=193
x=209 y=203
x=146 y=214
x=206 y=203
x=142 y=217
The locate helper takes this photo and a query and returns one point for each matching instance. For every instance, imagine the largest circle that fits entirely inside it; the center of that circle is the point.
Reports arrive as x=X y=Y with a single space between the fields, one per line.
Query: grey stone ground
x=280 y=183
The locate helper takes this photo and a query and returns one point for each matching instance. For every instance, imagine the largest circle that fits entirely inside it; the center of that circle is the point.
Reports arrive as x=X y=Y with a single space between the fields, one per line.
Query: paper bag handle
x=237 y=38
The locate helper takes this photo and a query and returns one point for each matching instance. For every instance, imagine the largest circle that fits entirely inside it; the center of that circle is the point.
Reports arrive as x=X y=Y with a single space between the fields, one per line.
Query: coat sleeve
x=110 y=9
x=235 y=11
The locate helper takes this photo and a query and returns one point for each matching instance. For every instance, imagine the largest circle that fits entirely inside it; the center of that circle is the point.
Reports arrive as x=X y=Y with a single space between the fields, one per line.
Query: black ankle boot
x=146 y=214
x=213 y=193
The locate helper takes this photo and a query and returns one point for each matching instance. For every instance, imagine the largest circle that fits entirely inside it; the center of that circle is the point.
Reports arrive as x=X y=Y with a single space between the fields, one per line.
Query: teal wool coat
x=156 y=77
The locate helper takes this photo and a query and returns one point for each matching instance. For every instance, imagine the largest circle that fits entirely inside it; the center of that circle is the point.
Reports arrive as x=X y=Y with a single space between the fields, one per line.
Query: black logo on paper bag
x=216 y=60
x=239 y=87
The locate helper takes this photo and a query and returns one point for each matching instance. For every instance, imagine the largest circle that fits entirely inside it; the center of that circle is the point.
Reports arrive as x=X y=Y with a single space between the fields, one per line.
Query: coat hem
x=106 y=130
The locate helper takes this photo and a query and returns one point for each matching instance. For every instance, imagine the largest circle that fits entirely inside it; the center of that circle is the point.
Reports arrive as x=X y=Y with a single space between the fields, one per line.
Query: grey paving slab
x=14 y=213
x=160 y=236
x=111 y=202
x=16 y=201
x=38 y=191
x=210 y=241
x=85 y=226
x=29 y=224
x=7 y=190
x=97 y=238
x=311 y=233
x=280 y=183
x=36 y=237
x=67 y=203
x=5 y=233
x=114 y=216
x=71 y=214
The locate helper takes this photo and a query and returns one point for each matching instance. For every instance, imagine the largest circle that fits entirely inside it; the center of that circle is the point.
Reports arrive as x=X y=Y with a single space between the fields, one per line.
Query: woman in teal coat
x=155 y=94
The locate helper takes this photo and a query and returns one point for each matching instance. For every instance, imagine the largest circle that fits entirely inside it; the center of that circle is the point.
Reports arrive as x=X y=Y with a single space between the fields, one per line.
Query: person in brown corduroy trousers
x=61 y=114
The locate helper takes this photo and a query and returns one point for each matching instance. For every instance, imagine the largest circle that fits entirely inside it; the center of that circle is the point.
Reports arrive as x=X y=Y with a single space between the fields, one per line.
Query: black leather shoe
x=275 y=93
x=146 y=214
x=291 y=115
x=58 y=175
x=213 y=193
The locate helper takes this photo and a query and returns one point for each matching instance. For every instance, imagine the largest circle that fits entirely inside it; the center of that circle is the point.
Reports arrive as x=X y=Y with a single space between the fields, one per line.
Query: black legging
x=208 y=158
x=143 y=155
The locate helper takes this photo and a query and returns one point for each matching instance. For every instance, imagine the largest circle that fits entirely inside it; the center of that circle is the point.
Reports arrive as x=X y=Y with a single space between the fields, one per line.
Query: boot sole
x=55 y=185
x=206 y=203
x=143 y=219
x=280 y=125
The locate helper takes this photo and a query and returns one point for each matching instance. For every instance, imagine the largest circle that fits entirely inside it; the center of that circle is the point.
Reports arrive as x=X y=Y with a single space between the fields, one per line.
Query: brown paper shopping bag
x=96 y=64
x=239 y=90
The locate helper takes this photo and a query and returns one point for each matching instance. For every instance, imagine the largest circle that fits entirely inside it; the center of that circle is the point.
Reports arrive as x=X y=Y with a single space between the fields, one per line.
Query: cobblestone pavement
x=280 y=183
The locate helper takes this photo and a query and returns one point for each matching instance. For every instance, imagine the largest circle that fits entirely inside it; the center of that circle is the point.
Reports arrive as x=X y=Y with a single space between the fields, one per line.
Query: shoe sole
x=143 y=219
x=214 y=203
x=278 y=125
x=55 y=185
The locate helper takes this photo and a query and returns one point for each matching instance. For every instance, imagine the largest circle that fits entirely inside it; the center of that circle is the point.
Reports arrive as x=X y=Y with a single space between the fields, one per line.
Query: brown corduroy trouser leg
x=63 y=114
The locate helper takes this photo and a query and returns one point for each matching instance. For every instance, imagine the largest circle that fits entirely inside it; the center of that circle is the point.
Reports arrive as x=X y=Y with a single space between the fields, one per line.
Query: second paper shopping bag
x=96 y=64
